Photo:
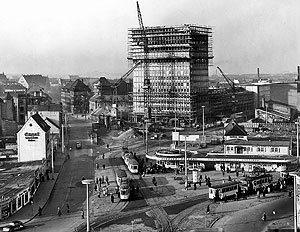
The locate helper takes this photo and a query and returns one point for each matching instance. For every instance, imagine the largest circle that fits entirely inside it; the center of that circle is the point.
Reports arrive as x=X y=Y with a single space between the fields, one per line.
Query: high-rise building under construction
x=176 y=64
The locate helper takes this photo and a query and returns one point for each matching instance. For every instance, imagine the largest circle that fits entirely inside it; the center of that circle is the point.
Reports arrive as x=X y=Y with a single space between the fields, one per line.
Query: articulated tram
x=123 y=184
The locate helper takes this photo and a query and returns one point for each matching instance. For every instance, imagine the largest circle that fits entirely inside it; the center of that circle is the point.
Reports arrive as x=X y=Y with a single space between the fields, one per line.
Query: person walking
x=40 y=211
x=58 y=211
x=112 y=198
x=264 y=217
x=68 y=208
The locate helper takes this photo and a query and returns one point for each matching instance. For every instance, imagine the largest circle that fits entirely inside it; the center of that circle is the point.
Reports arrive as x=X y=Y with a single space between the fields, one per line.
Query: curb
x=51 y=192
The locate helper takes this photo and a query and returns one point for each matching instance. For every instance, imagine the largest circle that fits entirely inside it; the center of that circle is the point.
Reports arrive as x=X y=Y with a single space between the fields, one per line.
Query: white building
x=34 y=140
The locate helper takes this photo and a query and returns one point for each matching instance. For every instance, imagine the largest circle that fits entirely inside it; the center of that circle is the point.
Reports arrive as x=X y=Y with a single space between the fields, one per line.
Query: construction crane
x=232 y=86
x=123 y=78
x=146 y=86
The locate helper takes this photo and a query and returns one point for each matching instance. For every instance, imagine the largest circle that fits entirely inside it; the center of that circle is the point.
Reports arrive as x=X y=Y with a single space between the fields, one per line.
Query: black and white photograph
x=149 y=116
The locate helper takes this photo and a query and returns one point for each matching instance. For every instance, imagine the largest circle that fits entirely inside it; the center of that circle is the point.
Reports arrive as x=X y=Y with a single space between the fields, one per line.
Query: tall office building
x=176 y=64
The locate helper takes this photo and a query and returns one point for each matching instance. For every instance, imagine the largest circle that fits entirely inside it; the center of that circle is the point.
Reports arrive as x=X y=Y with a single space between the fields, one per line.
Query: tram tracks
x=155 y=206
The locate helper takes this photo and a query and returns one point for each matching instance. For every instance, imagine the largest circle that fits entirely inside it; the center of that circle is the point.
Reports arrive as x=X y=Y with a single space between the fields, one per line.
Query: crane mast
x=232 y=86
x=147 y=89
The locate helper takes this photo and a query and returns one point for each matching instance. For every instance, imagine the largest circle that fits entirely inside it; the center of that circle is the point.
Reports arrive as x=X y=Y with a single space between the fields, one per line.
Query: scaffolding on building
x=178 y=59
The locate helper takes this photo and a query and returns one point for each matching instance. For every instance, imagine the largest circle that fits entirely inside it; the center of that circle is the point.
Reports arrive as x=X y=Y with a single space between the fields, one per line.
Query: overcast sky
x=81 y=37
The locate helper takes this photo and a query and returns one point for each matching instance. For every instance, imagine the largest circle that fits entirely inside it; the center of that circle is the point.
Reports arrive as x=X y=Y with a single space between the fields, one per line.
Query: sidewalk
x=43 y=193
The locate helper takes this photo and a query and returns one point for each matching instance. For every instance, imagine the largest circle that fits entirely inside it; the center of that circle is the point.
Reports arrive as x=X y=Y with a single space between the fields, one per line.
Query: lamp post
x=87 y=182
x=203 y=122
x=297 y=137
x=294 y=174
x=146 y=129
x=52 y=157
x=185 y=165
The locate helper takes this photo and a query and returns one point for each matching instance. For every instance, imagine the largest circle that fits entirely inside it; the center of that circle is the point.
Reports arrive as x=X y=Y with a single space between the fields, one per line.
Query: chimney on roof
x=298 y=75
x=257 y=73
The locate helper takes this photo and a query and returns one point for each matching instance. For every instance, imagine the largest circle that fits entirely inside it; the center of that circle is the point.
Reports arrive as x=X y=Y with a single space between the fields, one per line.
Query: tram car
x=253 y=183
x=126 y=157
x=133 y=165
x=121 y=176
x=224 y=191
x=123 y=184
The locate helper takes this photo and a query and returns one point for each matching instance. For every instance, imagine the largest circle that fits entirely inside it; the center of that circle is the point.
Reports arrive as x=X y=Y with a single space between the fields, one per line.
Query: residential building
x=75 y=97
x=35 y=79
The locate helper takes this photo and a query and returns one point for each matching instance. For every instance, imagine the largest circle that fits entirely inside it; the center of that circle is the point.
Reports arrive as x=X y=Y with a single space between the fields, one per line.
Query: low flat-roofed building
x=19 y=182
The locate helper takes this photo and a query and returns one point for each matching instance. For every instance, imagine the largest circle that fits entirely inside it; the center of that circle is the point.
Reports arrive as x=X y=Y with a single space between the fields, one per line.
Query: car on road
x=13 y=226
x=78 y=145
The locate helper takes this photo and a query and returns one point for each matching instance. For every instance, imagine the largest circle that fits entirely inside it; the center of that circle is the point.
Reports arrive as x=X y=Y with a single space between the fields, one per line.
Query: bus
x=224 y=191
x=253 y=183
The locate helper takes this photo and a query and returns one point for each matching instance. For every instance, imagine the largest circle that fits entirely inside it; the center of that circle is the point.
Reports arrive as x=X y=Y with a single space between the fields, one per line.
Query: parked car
x=78 y=145
x=13 y=226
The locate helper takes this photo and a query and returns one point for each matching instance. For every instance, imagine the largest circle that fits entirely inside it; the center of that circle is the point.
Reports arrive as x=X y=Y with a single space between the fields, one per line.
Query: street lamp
x=185 y=164
x=297 y=137
x=203 y=122
x=87 y=182
x=52 y=156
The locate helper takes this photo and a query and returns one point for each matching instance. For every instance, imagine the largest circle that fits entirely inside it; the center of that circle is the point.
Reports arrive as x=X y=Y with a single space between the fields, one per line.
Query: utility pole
x=203 y=123
x=185 y=165
x=52 y=157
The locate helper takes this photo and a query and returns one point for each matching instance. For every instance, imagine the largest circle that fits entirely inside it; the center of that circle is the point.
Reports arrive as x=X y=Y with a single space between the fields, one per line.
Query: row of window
x=258 y=149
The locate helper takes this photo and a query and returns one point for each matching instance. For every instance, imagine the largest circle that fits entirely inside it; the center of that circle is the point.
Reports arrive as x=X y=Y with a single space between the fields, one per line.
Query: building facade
x=75 y=97
x=177 y=61
x=34 y=140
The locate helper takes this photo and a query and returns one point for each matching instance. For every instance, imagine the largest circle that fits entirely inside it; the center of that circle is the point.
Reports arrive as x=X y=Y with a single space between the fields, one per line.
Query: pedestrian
x=40 y=211
x=102 y=179
x=112 y=198
x=264 y=217
x=58 y=211
x=103 y=166
x=207 y=209
x=107 y=146
x=82 y=214
x=103 y=156
x=229 y=178
x=200 y=182
x=237 y=173
x=68 y=208
x=195 y=186
x=200 y=177
x=106 y=179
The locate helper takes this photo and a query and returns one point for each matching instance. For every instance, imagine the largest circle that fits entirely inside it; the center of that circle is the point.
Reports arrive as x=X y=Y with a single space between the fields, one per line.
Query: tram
x=224 y=191
x=123 y=184
x=133 y=166
x=253 y=183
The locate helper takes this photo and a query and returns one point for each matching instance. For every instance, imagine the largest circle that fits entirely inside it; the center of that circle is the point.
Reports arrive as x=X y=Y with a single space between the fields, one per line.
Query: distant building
x=75 y=97
x=14 y=87
x=33 y=140
x=35 y=80
x=109 y=101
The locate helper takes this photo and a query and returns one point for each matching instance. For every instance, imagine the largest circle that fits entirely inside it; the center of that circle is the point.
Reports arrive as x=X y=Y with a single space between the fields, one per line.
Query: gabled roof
x=41 y=122
x=53 y=122
x=233 y=129
x=37 y=79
